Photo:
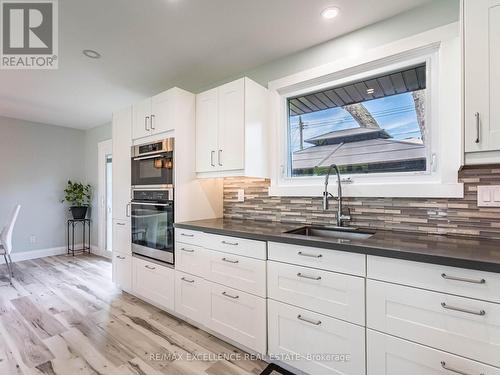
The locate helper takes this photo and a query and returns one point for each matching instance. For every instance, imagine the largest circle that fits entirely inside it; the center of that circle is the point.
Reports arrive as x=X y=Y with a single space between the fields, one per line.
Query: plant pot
x=79 y=212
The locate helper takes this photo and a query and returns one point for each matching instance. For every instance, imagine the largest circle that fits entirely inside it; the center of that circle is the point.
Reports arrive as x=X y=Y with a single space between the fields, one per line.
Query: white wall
x=426 y=17
x=36 y=160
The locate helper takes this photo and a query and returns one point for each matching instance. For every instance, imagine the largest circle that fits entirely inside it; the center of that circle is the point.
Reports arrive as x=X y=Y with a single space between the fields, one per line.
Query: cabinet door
x=122 y=237
x=231 y=150
x=154 y=283
x=122 y=141
x=163 y=112
x=388 y=355
x=482 y=75
x=462 y=326
x=142 y=119
x=206 y=130
x=238 y=316
x=122 y=271
x=191 y=297
x=304 y=336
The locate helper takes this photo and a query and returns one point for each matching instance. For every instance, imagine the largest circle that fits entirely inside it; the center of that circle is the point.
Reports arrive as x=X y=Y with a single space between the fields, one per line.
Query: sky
x=395 y=114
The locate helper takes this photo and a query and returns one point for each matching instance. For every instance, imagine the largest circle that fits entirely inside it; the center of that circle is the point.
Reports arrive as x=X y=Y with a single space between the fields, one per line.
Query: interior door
x=142 y=119
x=482 y=74
x=231 y=151
x=163 y=112
x=206 y=130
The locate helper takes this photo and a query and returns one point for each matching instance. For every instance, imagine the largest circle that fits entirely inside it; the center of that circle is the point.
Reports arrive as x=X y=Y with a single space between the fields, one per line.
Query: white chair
x=6 y=241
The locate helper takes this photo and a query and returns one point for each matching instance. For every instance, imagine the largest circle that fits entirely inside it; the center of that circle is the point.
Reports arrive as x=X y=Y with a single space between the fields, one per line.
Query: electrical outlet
x=32 y=239
x=241 y=195
x=488 y=196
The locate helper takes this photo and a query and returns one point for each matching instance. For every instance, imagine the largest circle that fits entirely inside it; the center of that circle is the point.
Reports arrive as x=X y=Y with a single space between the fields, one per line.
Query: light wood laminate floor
x=63 y=315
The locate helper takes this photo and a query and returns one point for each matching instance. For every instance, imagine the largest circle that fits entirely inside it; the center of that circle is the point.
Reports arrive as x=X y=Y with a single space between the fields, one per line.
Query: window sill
x=374 y=190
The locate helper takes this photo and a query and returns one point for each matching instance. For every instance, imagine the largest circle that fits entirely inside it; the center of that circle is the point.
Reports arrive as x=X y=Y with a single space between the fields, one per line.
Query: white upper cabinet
x=207 y=119
x=122 y=141
x=231 y=130
x=155 y=115
x=482 y=76
x=231 y=150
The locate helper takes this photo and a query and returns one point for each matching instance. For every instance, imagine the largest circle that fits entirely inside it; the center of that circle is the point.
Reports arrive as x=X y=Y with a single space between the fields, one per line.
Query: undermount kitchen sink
x=332 y=233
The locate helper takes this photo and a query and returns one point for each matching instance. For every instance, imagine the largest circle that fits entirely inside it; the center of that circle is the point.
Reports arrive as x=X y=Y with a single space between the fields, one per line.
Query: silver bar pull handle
x=478 y=127
x=212 y=155
x=187 y=280
x=230 y=243
x=121 y=224
x=150 y=267
x=120 y=257
x=308 y=277
x=229 y=295
x=187 y=250
x=230 y=261
x=315 y=322
x=455 y=371
x=219 y=158
x=146 y=119
x=309 y=255
x=152 y=118
x=127 y=210
x=460 y=309
x=187 y=235
x=465 y=280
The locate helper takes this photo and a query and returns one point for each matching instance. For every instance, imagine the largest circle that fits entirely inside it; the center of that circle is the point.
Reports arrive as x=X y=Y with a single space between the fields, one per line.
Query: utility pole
x=301 y=133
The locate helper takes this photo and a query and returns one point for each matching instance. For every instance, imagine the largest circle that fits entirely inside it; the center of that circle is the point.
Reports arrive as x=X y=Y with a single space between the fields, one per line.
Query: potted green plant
x=78 y=196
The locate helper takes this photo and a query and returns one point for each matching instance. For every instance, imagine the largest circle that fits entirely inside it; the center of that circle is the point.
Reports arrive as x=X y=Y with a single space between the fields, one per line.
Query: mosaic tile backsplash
x=437 y=216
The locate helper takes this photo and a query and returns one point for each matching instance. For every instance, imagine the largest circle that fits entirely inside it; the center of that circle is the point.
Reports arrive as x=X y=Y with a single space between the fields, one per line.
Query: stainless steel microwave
x=153 y=164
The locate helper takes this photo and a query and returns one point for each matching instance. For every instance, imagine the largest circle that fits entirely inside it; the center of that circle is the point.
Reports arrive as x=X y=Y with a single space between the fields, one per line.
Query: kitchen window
x=389 y=118
x=372 y=125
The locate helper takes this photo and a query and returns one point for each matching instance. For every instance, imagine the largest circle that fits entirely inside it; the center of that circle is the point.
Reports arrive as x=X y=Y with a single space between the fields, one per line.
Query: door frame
x=104 y=148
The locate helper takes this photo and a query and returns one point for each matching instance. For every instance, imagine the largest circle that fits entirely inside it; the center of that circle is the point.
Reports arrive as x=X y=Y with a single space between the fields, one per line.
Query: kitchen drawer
x=335 y=294
x=331 y=260
x=190 y=258
x=389 y=355
x=122 y=237
x=122 y=271
x=242 y=273
x=297 y=332
x=236 y=245
x=191 y=297
x=192 y=237
x=461 y=326
x=154 y=283
x=238 y=316
x=452 y=280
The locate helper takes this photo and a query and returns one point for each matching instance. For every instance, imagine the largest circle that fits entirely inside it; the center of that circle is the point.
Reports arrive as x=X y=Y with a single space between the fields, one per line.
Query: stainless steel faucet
x=341 y=218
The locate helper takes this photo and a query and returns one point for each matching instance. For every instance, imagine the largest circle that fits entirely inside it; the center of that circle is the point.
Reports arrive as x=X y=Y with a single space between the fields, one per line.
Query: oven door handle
x=156 y=156
x=152 y=204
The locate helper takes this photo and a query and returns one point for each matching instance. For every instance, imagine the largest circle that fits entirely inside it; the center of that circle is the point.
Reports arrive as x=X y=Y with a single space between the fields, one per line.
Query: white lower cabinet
x=388 y=355
x=191 y=297
x=122 y=238
x=462 y=326
x=238 y=316
x=315 y=343
x=243 y=273
x=154 y=283
x=190 y=258
x=335 y=294
x=122 y=271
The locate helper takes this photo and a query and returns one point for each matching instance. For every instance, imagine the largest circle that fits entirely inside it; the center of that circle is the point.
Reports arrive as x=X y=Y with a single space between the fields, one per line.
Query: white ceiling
x=148 y=46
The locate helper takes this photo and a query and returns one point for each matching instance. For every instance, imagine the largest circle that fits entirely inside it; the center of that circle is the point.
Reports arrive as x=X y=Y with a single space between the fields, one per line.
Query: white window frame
x=440 y=50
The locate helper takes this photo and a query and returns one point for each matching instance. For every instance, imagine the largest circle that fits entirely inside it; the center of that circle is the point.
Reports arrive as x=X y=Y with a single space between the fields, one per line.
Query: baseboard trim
x=34 y=254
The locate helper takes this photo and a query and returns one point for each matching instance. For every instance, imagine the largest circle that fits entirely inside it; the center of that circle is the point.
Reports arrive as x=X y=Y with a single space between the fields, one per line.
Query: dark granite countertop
x=465 y=252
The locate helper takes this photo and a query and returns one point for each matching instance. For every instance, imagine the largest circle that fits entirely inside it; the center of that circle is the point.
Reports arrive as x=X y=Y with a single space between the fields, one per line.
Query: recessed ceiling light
x=330 y=13
x=90 y=53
